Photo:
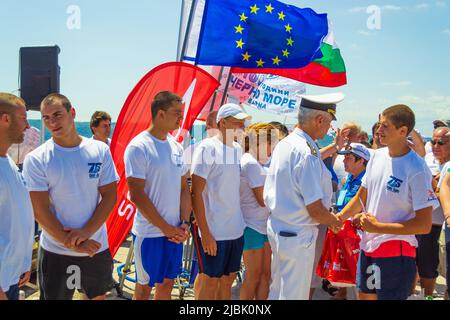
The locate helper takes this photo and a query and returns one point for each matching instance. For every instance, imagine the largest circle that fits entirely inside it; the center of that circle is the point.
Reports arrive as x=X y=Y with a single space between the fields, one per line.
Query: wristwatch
x=185 y=222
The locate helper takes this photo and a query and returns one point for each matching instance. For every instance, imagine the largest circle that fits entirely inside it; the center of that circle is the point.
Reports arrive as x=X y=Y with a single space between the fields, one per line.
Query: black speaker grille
x=39 y=74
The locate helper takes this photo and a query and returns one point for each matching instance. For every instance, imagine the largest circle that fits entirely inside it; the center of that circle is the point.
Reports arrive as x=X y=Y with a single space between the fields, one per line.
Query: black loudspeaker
x=39 y=74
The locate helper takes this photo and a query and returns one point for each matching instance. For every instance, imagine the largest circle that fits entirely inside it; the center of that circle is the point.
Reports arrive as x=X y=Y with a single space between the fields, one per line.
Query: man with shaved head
x=16 y=213
x=72 y=185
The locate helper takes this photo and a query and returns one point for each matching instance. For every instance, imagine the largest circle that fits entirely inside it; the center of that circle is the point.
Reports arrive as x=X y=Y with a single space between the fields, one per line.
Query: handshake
x=362 y=221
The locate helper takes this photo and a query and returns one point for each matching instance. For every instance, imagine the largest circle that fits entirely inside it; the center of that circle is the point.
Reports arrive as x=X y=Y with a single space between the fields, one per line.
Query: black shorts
x=60 y=275
x=428 y=253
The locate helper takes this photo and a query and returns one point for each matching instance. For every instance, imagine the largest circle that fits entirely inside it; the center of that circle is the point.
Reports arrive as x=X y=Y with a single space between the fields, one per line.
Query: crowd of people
x=250 y=194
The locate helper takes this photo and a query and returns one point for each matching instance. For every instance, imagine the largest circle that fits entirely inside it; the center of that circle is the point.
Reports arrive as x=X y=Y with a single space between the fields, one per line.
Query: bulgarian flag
x=328 y=71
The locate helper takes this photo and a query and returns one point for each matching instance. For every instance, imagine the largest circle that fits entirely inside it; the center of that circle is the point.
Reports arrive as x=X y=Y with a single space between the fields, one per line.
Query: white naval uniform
x=297 y=178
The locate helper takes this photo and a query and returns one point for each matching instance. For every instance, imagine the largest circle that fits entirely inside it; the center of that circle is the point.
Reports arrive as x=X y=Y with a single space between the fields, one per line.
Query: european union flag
x=259 y=34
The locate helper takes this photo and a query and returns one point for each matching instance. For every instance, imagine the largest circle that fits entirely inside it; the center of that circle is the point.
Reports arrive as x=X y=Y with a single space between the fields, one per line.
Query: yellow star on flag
x=260 y=62
x=254 y=9
x=290 y=42
x=246 y=56
x=243 y=17
x=269 y=8
x=285 y=53
x=288 y=28
x=276 y=61
x=281 y=15
x=240 y=44
x=239 y=29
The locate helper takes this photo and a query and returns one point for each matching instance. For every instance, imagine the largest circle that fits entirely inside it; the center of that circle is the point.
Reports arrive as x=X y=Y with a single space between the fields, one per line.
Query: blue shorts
x=156 y=259
x=227 y=260
x=253 y=240
x=389 y=278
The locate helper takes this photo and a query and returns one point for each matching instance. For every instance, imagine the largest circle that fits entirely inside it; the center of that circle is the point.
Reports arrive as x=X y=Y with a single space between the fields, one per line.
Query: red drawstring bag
x=339 y=258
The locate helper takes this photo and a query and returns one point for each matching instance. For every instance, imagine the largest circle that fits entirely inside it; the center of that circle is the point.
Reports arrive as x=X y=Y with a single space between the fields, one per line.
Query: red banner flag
x=190 y=82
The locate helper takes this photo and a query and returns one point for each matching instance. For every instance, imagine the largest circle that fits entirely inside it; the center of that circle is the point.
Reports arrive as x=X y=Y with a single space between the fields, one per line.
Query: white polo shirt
x=72 y=176
x=219 y=165
x=297 y=177
x=396 y=189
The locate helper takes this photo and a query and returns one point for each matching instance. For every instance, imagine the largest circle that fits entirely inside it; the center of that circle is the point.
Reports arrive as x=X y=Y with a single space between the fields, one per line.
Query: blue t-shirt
x=349 y=190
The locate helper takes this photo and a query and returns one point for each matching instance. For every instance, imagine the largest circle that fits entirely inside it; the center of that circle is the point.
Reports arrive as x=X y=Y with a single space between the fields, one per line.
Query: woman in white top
x=260 y=140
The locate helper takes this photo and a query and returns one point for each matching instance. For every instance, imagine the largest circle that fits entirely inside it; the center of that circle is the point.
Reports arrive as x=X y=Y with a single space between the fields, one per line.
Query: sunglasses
x=439 y=142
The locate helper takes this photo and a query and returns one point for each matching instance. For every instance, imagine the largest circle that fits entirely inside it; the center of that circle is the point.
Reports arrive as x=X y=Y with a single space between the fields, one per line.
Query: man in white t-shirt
x=72 y=184
x=216 y=202
x=16 y=212
x=101 y=126
x=211 y=130
x=157 y=180
x=298 y=194
x=396 y=200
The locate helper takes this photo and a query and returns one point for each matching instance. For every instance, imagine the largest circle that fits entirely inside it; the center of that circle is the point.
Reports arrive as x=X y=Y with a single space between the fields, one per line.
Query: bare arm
x=108 y=200
x=445 y=197
x=258 y=192
x=185 y=202
x=319 y=213
x=208 y=242
x=338 y=143
x=148 y=210
x=420 y=224
x=48 y=221
x=354 y=206
x=418 y=146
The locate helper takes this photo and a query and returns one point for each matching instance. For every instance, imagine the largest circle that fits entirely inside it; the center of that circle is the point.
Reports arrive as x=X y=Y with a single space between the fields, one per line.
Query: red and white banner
x=188 y=81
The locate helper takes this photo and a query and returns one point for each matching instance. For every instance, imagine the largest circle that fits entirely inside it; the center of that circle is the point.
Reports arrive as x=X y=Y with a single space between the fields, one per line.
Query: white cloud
x=435 y=107
x=397 y=84
x=357 y=9
x=422 y=6
x=446 y=31
x=365 y=33
x=440 y=4
x=387 y=7
x=390 y=7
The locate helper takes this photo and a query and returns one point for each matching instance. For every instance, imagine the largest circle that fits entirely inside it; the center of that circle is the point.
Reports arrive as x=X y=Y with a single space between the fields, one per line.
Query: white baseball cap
x=358 y=149
x=231 y=110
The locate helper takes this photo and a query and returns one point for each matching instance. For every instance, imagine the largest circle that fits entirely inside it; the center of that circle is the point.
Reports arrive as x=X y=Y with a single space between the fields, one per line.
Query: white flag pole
x=188 y=28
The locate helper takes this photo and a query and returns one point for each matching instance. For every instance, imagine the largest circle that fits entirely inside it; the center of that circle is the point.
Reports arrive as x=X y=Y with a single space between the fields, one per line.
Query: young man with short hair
x=16 y=212
x=157 y=180
x=72 y=184
x=216 y=203
x=101 y=126
x=394 y=204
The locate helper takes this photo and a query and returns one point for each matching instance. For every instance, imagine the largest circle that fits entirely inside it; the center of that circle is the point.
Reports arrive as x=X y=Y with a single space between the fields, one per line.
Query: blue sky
x=405 y=61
